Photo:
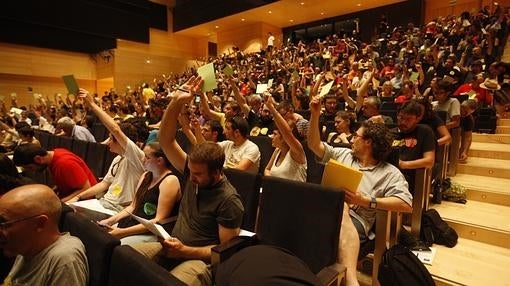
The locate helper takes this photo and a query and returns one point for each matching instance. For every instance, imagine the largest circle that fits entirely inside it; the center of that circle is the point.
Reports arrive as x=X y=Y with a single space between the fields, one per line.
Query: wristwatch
x=373 y=203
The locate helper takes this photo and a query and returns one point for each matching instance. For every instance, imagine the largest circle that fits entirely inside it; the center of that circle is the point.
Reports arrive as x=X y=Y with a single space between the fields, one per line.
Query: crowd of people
x=449 y=66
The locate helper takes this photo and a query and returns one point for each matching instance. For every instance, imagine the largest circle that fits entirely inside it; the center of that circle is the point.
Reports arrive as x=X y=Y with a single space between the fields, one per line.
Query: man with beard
x=211 y=211
x=416 y=142
x=70 y=174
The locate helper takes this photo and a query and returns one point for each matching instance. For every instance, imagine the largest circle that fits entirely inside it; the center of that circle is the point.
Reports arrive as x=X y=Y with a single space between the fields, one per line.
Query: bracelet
x=183 y=90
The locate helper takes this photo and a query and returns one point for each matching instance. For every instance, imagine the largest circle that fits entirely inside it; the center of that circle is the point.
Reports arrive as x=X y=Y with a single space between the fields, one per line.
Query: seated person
x=156 y=198
x=29 y=218
x=288 y=160
x=382 y=186
x=211 y=211
x=345 y=123
x=69 y=173
x=416 y=143
x=26 y=135
x=71 y=129
x=122 y=176
x=446 y=103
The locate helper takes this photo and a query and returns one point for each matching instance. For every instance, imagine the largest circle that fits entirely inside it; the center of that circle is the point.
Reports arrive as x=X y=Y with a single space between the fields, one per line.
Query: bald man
x=29 y=217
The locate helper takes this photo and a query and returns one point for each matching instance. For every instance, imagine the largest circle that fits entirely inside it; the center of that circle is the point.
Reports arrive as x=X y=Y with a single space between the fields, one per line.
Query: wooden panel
x=437 y=8
x=24 y=60
x=249 y=38
x=166 y=53
x=45 y=85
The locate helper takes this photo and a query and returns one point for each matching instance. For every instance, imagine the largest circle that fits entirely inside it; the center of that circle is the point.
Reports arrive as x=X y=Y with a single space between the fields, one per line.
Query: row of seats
x=110 y=263
x=96 y=155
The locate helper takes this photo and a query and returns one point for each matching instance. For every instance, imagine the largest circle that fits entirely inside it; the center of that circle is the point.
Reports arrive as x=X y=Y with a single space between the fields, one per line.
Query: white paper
x=246 y=233
x=325 y=88
x=426 y=257
x=155 y=228
x=261 y=87
x=94 y=205
x=270 y=83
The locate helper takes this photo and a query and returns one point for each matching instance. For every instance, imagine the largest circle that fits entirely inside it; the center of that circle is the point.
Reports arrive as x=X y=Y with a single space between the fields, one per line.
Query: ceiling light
x=147 y=61
x=291 y=20
x=243 y=19
x=302 y=3
x=322 y=13
x=270 y=12
x=359 y=4
x=216 y=26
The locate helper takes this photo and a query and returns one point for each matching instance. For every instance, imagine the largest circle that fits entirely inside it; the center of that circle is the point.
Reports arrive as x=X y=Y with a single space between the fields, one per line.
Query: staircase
x=483 y=223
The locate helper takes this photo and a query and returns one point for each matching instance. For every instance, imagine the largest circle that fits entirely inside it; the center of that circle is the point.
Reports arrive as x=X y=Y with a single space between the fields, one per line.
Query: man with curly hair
x=382 y=187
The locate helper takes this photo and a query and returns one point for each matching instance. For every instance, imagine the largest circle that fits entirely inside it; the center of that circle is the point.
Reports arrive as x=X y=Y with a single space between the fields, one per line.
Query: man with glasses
x=416 y=143
x=382 y=186
x=29 y=219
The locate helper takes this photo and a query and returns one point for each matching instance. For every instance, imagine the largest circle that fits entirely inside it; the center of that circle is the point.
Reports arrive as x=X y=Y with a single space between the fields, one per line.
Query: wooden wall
x=436 y=8
x=166 y=53
x=249 y=38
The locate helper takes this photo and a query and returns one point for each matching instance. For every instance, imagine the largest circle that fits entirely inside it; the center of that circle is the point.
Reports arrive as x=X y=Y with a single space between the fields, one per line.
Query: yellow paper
x=414 y=76
x=208 y=75
x=270 y=83
x=338 y=175
x=261 y=88
x=228 y=70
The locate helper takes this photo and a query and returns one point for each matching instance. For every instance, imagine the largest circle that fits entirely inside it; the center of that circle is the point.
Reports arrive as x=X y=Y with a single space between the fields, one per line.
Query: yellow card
x=208 y=75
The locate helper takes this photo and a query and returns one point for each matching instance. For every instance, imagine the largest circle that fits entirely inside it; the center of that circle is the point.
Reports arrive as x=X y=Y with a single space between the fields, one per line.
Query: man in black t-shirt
x=416 y=142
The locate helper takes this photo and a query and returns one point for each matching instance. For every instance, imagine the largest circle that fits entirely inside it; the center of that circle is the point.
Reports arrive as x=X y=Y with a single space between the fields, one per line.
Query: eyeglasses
x=7 y=224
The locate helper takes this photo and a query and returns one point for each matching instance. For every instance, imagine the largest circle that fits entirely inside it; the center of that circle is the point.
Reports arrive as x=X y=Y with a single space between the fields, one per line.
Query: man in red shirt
x=474 y=91
x=69 y=172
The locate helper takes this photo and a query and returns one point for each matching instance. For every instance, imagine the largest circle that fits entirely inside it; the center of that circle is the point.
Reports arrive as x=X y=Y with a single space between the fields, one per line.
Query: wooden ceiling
x=286 y=13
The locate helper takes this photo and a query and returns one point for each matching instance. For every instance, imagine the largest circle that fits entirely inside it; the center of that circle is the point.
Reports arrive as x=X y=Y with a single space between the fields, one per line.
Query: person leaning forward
x=211 y=210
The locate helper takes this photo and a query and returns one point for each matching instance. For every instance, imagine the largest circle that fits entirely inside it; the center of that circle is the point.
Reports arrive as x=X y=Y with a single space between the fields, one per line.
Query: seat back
x=129 y=267
x=80 y=148
x=99 y=131
x=98 y=244
x=266 y=150
x=53 y=142
x=248 y=187
x=66 y=142
x=314 y=169
x=95 y=158
x=43 y=138
x=302 y=218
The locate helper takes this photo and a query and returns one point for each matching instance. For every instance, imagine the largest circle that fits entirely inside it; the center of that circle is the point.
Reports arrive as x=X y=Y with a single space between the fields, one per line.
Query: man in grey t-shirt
x=382 y=186
x=29 y=219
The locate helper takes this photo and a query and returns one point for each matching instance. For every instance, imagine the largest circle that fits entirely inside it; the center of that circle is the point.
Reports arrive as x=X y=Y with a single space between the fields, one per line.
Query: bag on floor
x=435 y=230
x=400 y=267
x=454 y=192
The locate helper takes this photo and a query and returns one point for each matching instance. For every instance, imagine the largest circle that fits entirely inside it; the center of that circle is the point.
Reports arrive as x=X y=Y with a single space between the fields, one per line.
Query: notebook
x=338 y=175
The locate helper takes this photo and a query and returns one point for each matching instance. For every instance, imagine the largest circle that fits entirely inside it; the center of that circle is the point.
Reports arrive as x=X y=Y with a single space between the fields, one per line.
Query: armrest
x=222 y=252
x=332 y=275
x=168 y=223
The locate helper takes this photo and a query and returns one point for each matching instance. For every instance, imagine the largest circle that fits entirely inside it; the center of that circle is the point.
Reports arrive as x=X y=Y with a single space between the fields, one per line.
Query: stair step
x=490 y=150
x=503 y=122
x=491 y=138
x=485 y=167
x=478 y=221
x=485 y=189
x=470 y=263
x=503 y=130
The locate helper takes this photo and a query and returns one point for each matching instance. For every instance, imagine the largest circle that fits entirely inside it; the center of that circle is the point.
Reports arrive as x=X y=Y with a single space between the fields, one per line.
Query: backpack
x=400 y=267
x=435 y=230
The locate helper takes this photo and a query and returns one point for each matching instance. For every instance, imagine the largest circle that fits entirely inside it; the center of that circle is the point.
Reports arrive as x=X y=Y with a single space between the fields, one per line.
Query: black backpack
x=435 y=230
x=400 y=267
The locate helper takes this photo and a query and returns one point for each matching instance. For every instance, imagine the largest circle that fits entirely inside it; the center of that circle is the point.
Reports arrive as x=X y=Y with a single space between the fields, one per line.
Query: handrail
x=454 y=151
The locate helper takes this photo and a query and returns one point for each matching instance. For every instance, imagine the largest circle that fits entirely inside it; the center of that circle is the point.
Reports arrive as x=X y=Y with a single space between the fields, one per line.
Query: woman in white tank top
x=288 y=160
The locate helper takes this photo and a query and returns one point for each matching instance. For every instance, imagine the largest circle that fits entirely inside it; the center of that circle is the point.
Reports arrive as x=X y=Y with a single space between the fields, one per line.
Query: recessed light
x=359 y=4
x=243 y=19
x=147 y=61
x=291 y=20
x=322 y=13
x=216 y=26
x=270 y=12
x=302 y=3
